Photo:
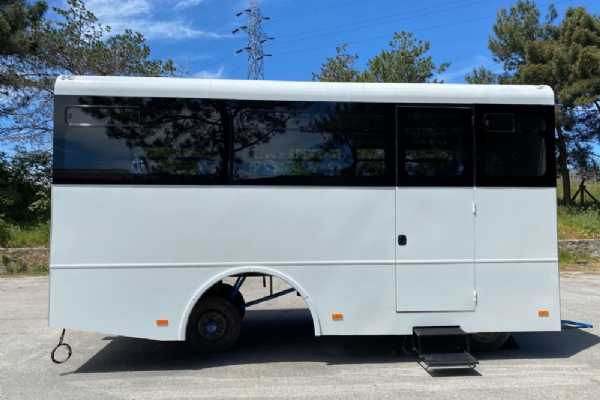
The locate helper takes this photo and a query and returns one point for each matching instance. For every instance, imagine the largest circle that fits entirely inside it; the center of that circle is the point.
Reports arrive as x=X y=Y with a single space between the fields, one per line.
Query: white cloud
x=210 y=75
x=149 y=17
x=187 y=4
x=124 y=8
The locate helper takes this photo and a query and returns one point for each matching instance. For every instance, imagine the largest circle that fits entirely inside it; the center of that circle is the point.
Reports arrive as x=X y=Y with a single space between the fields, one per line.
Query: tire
x=214 y=325
x=238 y=299
x=488 y=341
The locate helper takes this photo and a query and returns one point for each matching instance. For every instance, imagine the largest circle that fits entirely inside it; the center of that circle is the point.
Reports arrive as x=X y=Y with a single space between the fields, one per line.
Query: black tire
x=214 y=325
x=488 y=341
x=238 y=299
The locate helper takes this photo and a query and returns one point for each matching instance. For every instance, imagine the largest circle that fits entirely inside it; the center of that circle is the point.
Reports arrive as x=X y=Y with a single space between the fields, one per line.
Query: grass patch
x=570 y=262
x=565 y=257
x=575 y=222
x=23 y=270
x=24 y=236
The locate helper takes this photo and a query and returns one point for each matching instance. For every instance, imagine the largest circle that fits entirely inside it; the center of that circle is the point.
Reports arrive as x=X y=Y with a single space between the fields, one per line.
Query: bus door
x=435 y=265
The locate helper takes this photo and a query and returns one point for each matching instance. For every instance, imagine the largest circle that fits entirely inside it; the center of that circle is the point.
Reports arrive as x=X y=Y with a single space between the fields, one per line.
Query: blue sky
x=198 y=32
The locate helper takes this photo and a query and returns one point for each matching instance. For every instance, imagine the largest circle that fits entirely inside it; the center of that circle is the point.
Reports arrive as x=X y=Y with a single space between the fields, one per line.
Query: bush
x=25 y=187
x=5 y=234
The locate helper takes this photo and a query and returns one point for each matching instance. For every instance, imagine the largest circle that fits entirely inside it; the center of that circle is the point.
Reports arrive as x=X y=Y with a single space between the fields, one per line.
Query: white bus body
x=448 y=218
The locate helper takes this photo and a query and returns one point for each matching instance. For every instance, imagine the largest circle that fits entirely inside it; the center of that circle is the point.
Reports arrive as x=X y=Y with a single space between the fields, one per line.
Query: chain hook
x=60 y=343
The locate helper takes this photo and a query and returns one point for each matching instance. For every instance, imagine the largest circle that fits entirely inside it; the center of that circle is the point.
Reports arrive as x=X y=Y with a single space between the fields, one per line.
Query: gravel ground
x=279 y=357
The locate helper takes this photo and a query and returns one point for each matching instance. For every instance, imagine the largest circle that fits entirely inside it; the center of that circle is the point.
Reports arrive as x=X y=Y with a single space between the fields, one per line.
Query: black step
x=439 y=331
x=449 y=360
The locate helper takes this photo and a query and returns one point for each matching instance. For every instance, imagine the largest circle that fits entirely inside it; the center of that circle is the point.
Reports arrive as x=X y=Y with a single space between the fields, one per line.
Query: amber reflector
x=543 y=313
x=162 y=322
x=337 y=316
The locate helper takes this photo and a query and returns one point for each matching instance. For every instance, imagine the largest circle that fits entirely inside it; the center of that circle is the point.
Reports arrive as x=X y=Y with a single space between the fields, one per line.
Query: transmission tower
x=256 y=38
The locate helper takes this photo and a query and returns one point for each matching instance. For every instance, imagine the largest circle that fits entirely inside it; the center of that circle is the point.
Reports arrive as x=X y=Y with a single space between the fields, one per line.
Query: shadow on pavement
x=270 y=336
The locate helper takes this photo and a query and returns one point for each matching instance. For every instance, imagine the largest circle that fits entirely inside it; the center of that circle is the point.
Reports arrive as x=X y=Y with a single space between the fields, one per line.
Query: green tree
x=565 y=57
x=482 y=76
x=515 y=28
x=405 y=62
x=16 y=41
x=74 y=44
x=339 y=68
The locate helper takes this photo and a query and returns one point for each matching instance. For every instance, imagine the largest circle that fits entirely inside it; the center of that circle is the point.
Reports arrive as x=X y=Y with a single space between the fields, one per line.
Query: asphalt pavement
x=278 y=356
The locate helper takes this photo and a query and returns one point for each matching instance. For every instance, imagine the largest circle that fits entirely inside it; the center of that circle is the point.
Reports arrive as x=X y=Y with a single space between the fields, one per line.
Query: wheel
x=238 y=299
x=488 y=340
x=214 y=325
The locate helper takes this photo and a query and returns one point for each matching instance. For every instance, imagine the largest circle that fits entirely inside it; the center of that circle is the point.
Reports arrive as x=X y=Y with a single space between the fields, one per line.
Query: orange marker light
x=162 y=322
x=337 y=317
x=543 y=313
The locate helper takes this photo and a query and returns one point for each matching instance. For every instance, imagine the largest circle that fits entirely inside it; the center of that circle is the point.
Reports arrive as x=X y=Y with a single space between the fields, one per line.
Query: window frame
x=467 y=179
x=482 y=178
x=387 y=179
x=500 y=131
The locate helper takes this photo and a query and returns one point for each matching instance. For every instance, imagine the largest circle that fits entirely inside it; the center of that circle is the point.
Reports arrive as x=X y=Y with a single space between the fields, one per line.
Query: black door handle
x=402 y=240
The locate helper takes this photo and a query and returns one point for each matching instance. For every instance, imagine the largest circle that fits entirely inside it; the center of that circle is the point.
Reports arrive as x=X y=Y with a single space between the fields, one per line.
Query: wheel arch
x=244 y=270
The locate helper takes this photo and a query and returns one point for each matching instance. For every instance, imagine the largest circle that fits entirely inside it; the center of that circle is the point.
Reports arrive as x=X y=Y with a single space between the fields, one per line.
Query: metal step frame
x=450 y=345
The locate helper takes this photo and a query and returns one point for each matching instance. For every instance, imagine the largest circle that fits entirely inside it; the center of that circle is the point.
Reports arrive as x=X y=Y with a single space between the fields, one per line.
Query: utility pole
x=256 y=38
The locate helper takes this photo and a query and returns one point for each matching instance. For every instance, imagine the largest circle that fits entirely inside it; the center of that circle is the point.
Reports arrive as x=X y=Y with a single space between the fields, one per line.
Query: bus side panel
x=169 y=226
x=517 y=224
x=128 y=301
x=509 y=297
x=124 y=301
x=123 y=257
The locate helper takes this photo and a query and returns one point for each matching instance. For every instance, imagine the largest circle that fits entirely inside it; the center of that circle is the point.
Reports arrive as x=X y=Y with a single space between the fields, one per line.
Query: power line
x=416 y=30
x=206 y=46
x=373 y=19
x=379 y=24
x=210 y=65
x=283 y=17
x=305 y=12
x=280 y=4
x=375 y=38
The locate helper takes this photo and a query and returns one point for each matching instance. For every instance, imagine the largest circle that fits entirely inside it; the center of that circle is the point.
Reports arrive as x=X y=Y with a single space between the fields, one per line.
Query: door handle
x=402 y=240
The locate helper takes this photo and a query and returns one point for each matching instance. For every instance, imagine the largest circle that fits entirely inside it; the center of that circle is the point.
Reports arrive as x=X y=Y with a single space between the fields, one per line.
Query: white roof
x=303 y=91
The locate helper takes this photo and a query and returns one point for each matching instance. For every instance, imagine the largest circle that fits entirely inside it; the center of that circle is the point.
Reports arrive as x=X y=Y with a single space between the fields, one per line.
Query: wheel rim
x=485 y=336
x=211 y=326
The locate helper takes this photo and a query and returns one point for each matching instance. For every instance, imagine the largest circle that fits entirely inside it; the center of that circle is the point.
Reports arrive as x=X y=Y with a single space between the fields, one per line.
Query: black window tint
x=434 y=146
x=522 y=156
x=177 y=141
x=499 y=122
x=314 y=144
x=522 y=153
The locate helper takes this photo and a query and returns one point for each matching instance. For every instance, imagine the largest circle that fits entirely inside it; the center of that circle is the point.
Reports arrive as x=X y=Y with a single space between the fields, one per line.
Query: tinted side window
x=337 y=144
x=126 y=117
x=435 y=146
x=518 y=153
x=520 y=157
x=136 y=140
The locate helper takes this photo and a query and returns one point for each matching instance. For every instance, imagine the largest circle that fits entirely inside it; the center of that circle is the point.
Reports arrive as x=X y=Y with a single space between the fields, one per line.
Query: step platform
x=449 y=360
x=443 y=346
